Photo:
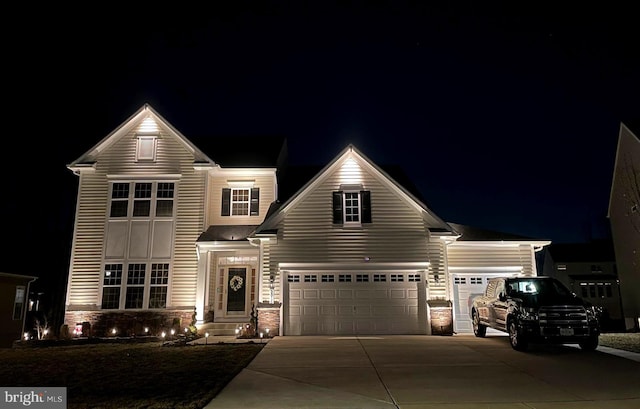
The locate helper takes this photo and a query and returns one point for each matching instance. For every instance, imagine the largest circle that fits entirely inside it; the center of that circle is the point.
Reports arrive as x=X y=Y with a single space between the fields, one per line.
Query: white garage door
x=465 y=287
x=355 y=303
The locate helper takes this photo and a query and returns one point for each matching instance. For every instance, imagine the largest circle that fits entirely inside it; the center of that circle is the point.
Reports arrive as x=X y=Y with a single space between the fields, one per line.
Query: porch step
x=219 y=328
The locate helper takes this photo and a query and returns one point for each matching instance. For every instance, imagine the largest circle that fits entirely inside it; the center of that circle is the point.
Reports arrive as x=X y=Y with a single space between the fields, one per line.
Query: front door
x=236 y=291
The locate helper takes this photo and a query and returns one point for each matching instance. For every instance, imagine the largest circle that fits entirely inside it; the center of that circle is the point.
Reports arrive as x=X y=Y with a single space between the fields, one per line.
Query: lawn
x=132 y=376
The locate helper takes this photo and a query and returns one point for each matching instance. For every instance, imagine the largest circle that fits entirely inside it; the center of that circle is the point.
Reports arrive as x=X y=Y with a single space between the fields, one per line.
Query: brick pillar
x=269 y=318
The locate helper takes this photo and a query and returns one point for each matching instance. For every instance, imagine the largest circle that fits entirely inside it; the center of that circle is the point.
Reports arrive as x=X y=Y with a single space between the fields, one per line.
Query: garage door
x=465 y=287
x=355 y=303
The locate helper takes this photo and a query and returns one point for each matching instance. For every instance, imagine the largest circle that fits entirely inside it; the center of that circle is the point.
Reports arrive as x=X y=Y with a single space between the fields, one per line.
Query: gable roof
x=276 y=214
x=88 y=159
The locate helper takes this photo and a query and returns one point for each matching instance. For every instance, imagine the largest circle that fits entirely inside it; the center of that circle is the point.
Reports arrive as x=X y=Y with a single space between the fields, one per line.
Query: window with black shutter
x=240 y=202
x=351 y=207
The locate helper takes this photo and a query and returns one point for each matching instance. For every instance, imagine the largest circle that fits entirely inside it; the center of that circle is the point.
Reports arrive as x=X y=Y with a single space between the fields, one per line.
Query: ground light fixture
x=206 y=337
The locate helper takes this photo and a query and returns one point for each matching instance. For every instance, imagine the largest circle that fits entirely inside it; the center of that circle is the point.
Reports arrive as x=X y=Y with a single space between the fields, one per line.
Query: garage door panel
x=345 y=309
x=328 y=310
x=363 y=294
x=310 y=310
x=328 y=294
x=345 y=294
x=295 y=294
x=398 y=293
x=310 y=294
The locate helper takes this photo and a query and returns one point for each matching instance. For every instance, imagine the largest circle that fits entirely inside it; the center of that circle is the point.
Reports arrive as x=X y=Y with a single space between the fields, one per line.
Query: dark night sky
x=505 y=119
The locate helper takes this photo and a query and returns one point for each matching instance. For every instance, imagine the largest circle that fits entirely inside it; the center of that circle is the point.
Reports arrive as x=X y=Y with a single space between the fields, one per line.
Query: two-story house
x=166 y=234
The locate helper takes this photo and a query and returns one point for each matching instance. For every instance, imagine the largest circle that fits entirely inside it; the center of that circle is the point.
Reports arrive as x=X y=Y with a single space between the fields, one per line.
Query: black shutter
x=337 y=208
x=255 y=201
x=365 y=206
x=226 y=202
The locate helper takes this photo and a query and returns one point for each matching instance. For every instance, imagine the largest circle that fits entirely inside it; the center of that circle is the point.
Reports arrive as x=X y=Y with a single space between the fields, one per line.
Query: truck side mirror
x=502 y=296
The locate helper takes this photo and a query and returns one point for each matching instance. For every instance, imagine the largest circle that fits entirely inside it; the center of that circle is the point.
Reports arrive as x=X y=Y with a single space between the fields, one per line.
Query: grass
x=629 y=341
x=132 y=376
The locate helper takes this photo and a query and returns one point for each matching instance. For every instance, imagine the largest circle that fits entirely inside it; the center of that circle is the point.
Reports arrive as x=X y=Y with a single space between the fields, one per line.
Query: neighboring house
x=624 y=216
x=14 y=289
x=165 y=236
x=589 y=270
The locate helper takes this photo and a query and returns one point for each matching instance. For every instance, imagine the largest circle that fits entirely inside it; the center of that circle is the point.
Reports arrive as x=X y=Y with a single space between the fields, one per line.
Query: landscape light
x=146 y=330
x=173 y=331
x=26 y=336
x=114 y=331
x=164 y=334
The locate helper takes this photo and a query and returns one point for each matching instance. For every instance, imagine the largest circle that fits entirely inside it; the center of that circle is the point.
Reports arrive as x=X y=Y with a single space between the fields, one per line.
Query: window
x=143 y=200
x=240 y=201
x=146 y=149
x=362 y=278
x=396 y=278
x=344 y=278
x=414 y=278
x=379 y=278
x=135 y=286
x=18 y=303
x=111 y=286
x=310 y=278
x=328 y=278
x=351 y=207
x=293 y=278
x=159 y=282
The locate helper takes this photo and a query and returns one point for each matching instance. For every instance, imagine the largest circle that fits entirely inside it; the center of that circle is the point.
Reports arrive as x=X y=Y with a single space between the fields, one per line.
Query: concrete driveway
x=410 y=372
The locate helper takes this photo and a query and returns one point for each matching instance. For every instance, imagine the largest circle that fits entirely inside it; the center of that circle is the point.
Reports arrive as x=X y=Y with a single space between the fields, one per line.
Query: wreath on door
x=235 y=283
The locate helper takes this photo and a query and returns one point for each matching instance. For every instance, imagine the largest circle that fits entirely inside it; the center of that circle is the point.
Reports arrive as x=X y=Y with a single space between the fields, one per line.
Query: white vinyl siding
x=307 y=234
x=265 y=183
x=87 y=252
x=491 y=257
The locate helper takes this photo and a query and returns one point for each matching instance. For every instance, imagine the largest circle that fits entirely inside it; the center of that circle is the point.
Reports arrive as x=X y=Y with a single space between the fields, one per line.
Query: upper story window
x=241 y=201
x=351 y=207
x=148 y=197
x=146 y=148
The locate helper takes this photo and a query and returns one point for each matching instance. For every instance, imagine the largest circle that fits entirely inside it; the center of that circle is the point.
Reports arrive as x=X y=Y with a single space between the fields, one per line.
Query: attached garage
x=355 y=303
x=465 y=287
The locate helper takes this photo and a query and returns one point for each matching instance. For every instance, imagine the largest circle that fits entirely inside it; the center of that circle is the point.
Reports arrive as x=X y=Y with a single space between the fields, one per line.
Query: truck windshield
x=533 y=287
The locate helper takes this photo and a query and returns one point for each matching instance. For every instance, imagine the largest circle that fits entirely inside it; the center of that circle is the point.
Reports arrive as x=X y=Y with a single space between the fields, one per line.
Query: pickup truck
x=535 y=309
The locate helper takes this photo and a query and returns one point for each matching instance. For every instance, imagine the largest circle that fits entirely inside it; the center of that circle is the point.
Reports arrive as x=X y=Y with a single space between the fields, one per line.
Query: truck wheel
x=516 y=339
x=590 y=344
x=479 y=330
